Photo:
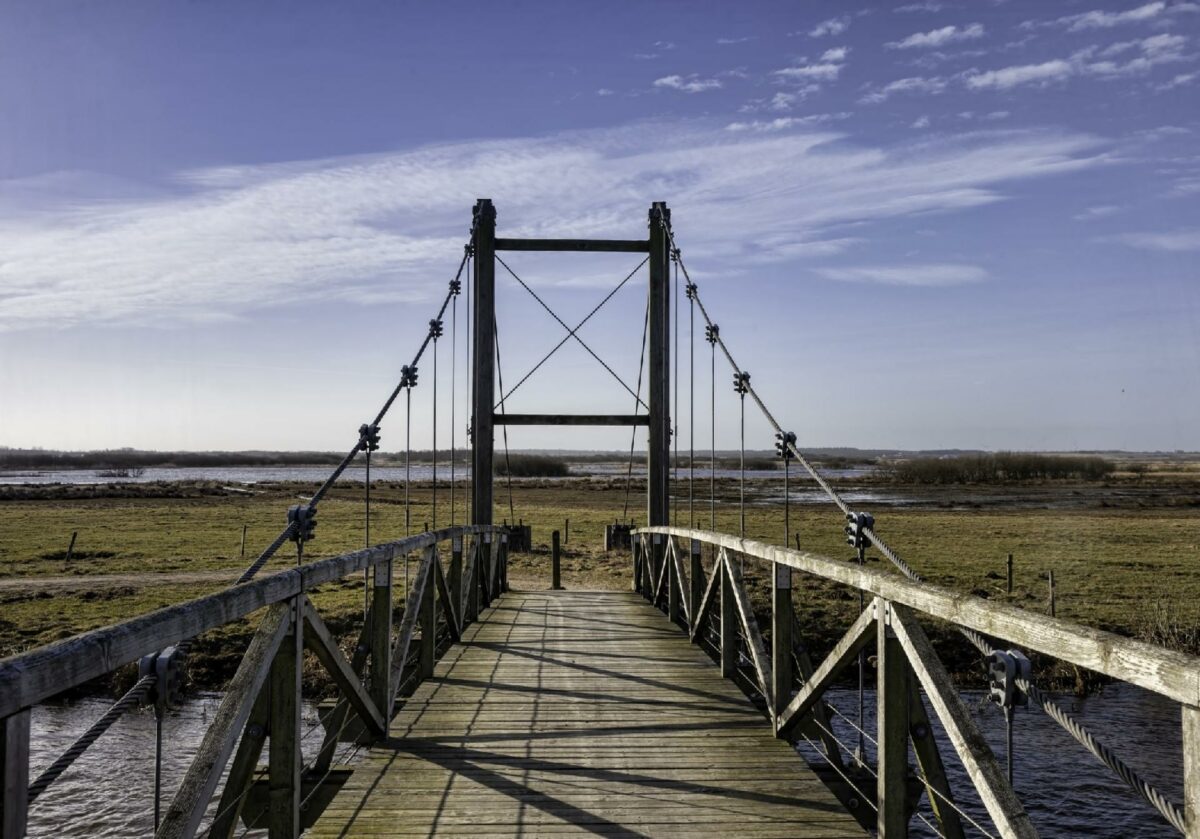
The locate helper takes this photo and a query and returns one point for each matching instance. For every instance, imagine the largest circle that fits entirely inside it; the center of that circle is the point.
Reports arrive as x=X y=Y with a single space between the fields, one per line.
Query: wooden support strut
x=892 y=697
x=284 y=760
x=977 y=758
x=381 y=640
x=782 y=617
x=182 y=818
x=14 y=774
x=320 y=640
x=428 y=615
x=729 y=631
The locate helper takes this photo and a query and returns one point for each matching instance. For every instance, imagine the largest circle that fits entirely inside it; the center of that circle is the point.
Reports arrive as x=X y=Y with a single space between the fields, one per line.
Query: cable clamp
x=166 y=666
x=455 y=287
x=712 y=333
x=368 y=437
x=1005 y=667
x=435 y=329
x=690 y=290
x=785 y=441
x=856 y=526
x=304 y=517
x=741 y=383
x=675 y=254
x=408 y=376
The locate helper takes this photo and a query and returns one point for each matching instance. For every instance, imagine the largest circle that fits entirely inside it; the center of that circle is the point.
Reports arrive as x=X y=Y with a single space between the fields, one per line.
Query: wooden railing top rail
x=37 y=675
x=1172 y=674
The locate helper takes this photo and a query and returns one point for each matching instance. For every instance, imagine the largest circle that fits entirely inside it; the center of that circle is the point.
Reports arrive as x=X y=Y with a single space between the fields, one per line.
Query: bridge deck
x=581 y=713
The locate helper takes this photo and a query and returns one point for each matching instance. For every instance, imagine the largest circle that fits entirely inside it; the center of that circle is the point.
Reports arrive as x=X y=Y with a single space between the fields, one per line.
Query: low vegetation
x=998 y=468
x=531 y=466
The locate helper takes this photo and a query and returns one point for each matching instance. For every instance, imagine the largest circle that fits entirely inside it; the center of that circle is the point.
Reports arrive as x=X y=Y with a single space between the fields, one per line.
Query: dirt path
x=100 y=581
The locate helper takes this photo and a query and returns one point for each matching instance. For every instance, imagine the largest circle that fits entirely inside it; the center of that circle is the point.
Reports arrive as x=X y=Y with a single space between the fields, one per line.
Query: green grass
x=1111 y=566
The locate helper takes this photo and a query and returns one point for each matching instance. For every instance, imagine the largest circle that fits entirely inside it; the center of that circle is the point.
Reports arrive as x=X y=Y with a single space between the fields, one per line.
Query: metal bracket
x=1005 y=667
x=368 y=437
x=166 y=666
x=304 y=516
x=856 y=526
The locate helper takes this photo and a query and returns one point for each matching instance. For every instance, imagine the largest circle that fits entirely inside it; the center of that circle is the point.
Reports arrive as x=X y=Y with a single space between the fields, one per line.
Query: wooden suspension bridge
x=664 y=710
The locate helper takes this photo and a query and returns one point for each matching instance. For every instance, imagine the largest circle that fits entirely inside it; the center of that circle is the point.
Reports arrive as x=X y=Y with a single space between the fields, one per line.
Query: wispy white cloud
x=1155 y=50
x=730 y=41
x=784 y=123
x=927 y=6
x=939 y=37
x=921 y=121
x=688 y=84
x=1176 y=241
x=217 y=243
x=912 y=84
x=833 y=26
x=604 y=91
x=936 y=275
x=1098 y=211
x=1180 y=80
x=826 y=68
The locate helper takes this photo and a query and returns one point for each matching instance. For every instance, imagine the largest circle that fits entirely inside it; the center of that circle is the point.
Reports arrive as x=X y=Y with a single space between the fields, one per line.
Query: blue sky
x=931 y=224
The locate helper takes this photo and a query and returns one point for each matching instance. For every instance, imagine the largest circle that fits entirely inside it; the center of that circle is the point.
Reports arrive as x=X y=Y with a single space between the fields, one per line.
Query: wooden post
x=729 y=632
x=428 y=616
x=555 y=561
x=71 y=547
x=658 y=458
x=1010 y=573
x=781 y=639
x=566 y=531
x=1053 y=608
x=483 y=362
x=696 y=578
x=674 y=584
x=1191 y=770
x=381 y=637
x=243 y=541
x=502 y=563
x=456 y=572
x=14 y=774
x=892 y=696
x=283 y=781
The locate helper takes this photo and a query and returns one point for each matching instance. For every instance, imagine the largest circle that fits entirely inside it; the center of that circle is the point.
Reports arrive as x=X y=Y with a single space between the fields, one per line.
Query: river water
x=109 y=792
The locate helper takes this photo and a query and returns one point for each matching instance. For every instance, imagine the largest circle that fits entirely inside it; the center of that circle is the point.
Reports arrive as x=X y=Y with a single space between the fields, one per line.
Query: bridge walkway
x=571 y=713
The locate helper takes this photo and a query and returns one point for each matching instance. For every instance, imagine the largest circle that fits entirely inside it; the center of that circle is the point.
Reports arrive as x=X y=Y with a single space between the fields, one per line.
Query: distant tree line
x=530 y=466
x=130 y=459
x=998 y=468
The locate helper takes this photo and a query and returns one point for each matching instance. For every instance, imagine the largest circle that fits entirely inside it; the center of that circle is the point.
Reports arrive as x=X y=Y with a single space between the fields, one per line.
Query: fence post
x=1053 y=607
x=634 y=542
x=1191 y=770
x=381 y=637
x=729 y=631
x=14 y=774
x=566 y=531
x=428 y=614
x=555 y=563
x=892 y=697
x=1010 y=573
x=781 y=638
x=283 y=778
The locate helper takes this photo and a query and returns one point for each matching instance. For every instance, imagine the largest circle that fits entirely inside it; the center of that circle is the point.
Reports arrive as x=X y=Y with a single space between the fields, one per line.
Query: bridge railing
x=263 y=699
x=716 y=611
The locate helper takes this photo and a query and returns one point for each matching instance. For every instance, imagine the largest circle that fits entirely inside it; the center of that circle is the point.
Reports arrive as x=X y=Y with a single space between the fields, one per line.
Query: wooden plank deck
x=574 y=713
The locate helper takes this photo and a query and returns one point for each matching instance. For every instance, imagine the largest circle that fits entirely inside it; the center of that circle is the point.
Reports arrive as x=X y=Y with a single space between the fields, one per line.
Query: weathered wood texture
x=581 y=713
x=1173 y=674
x=35 y=676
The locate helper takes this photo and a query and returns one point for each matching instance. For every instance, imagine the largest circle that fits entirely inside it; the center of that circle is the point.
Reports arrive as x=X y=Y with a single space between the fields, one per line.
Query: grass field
x=1132 y=571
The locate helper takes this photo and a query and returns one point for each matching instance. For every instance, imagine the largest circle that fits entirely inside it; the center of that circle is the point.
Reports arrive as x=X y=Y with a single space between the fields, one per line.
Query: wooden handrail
x=1173 y=674
x=34 y=676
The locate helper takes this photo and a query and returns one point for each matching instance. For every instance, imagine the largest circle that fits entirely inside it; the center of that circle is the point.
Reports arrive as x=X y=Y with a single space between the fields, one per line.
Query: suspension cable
x=572 y=333
x=711 y=332
x=691 y=291
x=675 y=417
x=1169 y=810
x=435 y=328
x=453 y=401
x=507 y=465
x=633 y=431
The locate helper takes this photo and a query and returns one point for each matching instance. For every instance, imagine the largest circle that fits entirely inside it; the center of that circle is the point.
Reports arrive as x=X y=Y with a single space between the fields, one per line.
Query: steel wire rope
x=1167 y=808
x=137 y=694
x=453 y=403
x=572 y=334
x=691 y=403
x=507 y=464
x=675 y=418
x=438 y=331
x=633 y=431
